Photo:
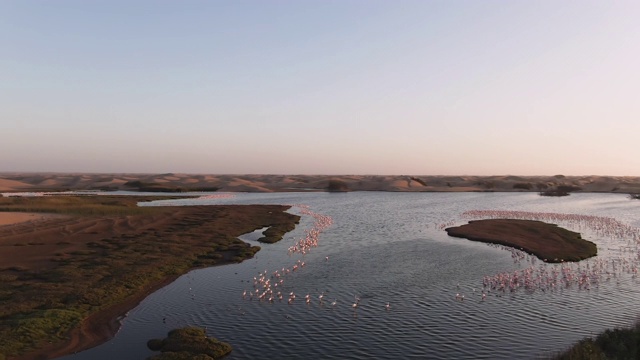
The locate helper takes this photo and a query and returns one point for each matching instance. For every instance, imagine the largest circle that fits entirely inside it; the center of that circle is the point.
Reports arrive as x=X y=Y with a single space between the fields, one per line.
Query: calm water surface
x=390 y=248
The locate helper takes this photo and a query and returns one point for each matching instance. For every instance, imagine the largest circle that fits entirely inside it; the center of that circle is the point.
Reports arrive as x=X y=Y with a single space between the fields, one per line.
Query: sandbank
x=548 y=242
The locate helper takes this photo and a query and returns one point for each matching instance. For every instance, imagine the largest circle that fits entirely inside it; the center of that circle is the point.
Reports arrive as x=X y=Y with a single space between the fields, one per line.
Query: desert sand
x=17 y=182
x=9 y=218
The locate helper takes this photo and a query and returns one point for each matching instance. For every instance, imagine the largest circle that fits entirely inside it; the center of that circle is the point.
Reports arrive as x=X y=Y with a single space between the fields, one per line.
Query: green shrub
x=337 y=186
x=189 y=343
x=523 y=186
x=611 y=344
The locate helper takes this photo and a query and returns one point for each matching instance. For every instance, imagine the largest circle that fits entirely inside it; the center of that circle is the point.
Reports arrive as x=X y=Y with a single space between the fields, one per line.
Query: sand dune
x=273 y=183
x=12 y=185
x=10 y=218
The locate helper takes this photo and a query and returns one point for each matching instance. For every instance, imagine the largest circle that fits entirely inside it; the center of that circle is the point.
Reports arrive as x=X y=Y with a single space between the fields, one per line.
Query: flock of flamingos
x=269 y=287
x=619 y=241
x=623 y=257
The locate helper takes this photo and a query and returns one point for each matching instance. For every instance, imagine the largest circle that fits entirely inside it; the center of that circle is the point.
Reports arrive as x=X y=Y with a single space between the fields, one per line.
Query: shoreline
x=97 y=328
x=102 y=326
x=105 y=265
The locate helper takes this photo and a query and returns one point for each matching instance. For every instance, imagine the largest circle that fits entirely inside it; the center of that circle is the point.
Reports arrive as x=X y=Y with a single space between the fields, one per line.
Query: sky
x=321 y=87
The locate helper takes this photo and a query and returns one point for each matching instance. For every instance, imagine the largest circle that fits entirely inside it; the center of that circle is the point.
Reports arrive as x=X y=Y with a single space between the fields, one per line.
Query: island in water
x=188 y=343
x=548 y=242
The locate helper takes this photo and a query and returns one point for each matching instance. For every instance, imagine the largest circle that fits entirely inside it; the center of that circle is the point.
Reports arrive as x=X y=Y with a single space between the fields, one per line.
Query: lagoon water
x=391 y=248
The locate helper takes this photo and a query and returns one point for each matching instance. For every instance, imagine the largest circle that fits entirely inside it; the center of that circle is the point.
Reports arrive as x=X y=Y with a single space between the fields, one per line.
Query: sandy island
x=548 y=242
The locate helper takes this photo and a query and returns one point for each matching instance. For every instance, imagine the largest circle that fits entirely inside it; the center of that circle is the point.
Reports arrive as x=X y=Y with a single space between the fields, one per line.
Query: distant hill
x=15 y=182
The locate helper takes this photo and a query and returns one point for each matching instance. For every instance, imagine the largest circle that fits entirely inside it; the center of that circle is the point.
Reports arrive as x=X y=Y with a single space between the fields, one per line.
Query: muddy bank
x=548 y=242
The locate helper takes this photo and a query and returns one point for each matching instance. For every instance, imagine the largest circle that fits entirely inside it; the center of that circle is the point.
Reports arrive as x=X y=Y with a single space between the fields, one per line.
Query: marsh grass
x=561 y=190
x=610 y=344
x=40 y=324
x=188 y=343
x=103 y=205
x=150 y=186
x=42 y=306
x=276 y=232
x=335 y=185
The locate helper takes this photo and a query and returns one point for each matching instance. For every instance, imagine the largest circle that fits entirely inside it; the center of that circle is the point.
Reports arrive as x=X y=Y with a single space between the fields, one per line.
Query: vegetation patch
x=335 y=185
x=487 y=184
x=91 y=263
x=553 y=193
x=30 y=328
x=523 y=186
x=78 y=205
x=143 y=186
x=548 y=242
x=188 y=343
x=611 y=344
x=276 y=232
x=560 y=190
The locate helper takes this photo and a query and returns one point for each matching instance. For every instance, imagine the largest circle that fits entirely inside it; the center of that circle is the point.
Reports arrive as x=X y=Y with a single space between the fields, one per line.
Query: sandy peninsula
x=69 y=276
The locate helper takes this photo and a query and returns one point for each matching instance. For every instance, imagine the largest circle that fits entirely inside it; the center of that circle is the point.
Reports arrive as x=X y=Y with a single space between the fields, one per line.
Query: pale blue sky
x=321 y=87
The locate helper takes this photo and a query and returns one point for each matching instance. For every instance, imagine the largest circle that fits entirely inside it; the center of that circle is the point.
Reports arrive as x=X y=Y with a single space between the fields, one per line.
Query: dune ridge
x=175 y=182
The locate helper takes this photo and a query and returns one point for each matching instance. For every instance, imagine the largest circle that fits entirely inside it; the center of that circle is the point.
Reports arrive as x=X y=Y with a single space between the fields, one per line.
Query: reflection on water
x=389 y=248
